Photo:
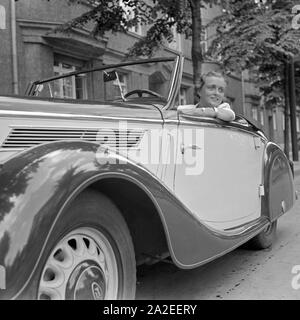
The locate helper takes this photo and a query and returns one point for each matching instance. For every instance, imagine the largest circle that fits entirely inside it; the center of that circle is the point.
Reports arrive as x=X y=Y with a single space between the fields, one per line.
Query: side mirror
x=40 y=87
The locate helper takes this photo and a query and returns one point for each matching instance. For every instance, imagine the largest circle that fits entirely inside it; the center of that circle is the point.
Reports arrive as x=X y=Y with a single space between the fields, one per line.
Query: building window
x=2 y=18
x=129 y=15
x=182 y=96
x=254 y=113
x=64 y=88
x=73 y=87
x=136 y=29
x=262 y=117
x=175 y=44
x=80 y=84
x=298 y=124
x=274 y=120
x=203 y=42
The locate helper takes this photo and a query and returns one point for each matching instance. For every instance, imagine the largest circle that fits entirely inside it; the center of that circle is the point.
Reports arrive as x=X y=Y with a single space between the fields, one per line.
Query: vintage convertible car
x=103 y=180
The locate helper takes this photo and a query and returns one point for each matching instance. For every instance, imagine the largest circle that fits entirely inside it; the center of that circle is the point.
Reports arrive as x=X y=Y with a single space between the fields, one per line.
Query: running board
x=243 y=230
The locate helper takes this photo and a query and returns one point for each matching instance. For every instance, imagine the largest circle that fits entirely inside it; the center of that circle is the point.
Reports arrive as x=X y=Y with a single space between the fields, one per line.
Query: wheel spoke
x=49 y=294
x=80 y=246
x=81 y=258
x=63 y=257
x=53 y=276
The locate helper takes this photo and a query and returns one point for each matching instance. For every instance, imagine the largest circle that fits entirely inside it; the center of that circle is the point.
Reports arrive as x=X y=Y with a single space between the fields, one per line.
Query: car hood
x=15 y=105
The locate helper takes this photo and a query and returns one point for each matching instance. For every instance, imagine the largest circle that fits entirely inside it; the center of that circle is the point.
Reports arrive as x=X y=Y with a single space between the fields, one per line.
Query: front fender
x=37 y=185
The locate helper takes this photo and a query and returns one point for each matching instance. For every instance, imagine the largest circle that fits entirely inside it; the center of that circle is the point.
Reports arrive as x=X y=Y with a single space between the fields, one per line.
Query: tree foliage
x=257 y=35
x=159 y=17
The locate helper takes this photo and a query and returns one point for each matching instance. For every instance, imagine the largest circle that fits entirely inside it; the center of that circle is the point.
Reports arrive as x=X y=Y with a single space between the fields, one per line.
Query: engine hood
x=33 y=106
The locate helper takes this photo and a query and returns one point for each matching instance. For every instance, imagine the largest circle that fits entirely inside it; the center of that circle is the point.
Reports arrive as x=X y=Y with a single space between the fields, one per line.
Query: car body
x=91 y=189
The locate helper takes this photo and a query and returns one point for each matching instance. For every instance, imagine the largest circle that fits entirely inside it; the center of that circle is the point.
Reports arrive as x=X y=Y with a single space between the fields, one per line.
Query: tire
x=264 y=239
x=89 y=255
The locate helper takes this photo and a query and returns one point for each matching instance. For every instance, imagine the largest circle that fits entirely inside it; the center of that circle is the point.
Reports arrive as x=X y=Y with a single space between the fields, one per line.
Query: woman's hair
x=212 y=74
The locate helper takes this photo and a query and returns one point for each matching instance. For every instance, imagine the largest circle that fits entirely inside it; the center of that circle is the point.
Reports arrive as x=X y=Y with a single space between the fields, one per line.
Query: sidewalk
x=296 y=165
x=296 y=168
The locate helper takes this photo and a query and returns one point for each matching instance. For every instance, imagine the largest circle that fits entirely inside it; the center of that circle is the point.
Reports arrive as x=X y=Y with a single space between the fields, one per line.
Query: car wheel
x=264 y=239
x=91 y=255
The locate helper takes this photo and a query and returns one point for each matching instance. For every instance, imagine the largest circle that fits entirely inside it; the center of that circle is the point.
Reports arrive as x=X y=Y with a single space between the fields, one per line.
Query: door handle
x=191 y=146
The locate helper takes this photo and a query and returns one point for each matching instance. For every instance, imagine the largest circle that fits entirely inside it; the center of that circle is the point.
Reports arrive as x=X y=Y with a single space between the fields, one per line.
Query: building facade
x=30 y=51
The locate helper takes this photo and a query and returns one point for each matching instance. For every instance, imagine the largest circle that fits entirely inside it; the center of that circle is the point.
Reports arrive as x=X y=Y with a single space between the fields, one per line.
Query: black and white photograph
x=149 y=151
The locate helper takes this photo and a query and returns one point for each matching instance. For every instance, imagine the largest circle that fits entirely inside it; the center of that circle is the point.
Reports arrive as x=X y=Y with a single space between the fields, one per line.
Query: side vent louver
x=22 y=138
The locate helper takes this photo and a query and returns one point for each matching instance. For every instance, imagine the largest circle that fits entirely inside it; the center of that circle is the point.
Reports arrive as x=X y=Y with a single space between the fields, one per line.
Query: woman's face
x=212 y=92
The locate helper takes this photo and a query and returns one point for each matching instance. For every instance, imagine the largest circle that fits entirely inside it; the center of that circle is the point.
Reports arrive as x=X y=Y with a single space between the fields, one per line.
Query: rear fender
x=278 y=183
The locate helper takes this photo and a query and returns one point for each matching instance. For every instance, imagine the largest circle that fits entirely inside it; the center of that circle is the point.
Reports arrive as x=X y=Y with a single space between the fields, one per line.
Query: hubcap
x=82 y=266
x=86 y=282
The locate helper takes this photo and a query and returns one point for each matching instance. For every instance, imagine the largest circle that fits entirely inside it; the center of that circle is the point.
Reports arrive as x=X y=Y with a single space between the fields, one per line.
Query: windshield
x=141 y=81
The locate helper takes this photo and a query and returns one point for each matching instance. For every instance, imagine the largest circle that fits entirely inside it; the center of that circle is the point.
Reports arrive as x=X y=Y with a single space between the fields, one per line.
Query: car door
x=218 y=172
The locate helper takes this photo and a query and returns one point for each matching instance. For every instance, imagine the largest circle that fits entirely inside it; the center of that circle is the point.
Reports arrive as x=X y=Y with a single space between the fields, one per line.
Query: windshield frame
x=32 y=88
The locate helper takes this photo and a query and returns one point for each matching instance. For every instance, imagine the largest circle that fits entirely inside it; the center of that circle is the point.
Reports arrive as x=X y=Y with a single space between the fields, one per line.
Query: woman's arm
x=224 y=112
x=202 y=112
x=186 y=107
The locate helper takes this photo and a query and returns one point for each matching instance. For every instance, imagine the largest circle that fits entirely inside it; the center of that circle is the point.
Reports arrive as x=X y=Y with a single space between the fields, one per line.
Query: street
x=241 y=274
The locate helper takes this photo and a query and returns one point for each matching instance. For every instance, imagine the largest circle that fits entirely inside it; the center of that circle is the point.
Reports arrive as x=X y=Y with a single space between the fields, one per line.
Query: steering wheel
x=140 y=92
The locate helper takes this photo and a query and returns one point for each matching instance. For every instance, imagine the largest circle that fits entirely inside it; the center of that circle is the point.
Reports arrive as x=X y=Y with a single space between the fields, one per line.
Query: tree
x=160 y=16
x=258 y=35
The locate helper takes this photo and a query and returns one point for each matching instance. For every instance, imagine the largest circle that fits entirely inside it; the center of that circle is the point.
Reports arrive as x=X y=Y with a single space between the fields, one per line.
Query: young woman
x=212 y=95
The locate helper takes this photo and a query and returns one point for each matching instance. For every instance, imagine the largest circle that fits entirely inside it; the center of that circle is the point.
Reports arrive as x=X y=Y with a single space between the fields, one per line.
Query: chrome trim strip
x=219 y=125
x=171 y=121
x=9 y=150
x=176 y=79
x=67 y=116
x=173 y=78
x=72 y=127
